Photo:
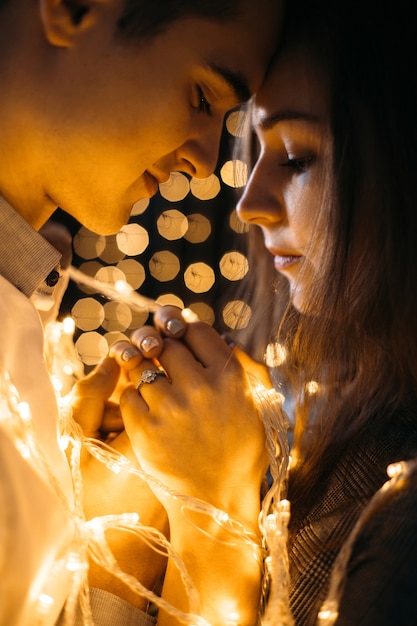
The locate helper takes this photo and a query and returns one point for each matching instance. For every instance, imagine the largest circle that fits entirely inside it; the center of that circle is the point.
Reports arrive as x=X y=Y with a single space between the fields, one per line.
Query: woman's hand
x=197 y=430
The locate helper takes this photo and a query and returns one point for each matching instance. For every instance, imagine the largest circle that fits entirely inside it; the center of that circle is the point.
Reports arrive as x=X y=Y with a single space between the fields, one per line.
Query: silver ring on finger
x=148 y=376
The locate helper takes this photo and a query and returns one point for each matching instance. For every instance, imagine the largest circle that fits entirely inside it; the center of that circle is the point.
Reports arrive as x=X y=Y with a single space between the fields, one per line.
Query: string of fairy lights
x=110 y=274
x=89 y=536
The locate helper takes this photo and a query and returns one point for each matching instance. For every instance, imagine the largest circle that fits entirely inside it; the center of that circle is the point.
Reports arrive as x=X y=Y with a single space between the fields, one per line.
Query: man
x=99 y=101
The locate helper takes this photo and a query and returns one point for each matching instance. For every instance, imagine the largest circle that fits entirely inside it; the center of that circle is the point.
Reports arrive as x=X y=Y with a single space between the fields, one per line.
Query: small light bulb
x=68 y=325
x=328 y=613
x=114 y=467
x=271 y=521
x=189 y=316
x=45 y=602
x=24 y=411
x=74 y=562
x=23 y=449
x=396 y=469
x=57 y=383
x=232 y=619
x=64 y=442
x=68 y=369
x=222 y=516
x=123 y=287
x=312 y=387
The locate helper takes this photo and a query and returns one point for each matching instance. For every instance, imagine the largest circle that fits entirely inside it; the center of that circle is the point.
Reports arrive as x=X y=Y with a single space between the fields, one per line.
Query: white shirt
x=36 y=497
x=36 y=528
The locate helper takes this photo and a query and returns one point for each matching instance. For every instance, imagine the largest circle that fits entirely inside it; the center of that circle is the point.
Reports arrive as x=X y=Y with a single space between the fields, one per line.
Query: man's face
x=125 y=115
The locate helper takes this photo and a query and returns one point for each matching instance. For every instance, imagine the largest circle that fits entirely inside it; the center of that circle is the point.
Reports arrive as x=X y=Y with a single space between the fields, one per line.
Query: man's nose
x=198 y=156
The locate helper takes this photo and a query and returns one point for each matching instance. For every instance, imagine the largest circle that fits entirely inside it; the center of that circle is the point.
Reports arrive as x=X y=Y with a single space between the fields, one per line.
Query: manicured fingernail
x=129 y=353
x=147 y=344
x=175 y=327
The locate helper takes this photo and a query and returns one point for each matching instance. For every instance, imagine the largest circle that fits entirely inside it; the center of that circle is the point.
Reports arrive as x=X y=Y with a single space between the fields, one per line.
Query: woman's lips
x=283 y=262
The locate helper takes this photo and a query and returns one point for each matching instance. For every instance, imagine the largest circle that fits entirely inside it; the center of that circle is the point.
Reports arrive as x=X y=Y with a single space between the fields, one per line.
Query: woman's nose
x=259 y=203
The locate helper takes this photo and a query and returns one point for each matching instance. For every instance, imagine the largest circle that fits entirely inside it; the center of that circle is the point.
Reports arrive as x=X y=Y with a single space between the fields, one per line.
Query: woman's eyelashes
x=298 y=164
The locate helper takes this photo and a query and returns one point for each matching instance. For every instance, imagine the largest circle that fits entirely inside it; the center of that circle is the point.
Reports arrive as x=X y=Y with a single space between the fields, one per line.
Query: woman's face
x=286 y=192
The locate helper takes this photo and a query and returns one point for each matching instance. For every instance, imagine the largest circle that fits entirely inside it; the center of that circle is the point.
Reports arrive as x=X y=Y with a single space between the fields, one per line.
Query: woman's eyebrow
x=266 y=123
x=235 y=81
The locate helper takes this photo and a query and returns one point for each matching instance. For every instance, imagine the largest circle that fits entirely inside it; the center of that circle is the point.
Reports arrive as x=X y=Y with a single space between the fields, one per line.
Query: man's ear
x=63 y=20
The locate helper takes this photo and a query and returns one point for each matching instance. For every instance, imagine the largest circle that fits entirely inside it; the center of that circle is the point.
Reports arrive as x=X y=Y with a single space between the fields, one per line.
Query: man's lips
x=151 y=183
x=153 y=179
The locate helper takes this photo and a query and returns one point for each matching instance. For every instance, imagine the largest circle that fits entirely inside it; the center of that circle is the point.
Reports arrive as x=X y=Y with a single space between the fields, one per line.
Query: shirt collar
x=26 y=258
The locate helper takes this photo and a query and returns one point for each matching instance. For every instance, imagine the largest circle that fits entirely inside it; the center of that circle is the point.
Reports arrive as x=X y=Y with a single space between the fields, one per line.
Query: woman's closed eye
x=300 y=164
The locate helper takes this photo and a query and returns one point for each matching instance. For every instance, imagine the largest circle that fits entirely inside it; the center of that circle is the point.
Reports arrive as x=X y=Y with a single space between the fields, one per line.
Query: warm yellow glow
x=271 y=521
x=68 y=369
x=24 y=411
x=312 y=387
x=275 y=355
x=293 y=460
x=328 y=614
x=232 y=618
x=325 y=614
x=74 y=563
x=45 y=602
x=68 y=325
x=189 y=315
x=228 y=608
x=222 y=516
x=275 y=397
x=396 y=469
x=63 y=442
x=123 y=287
x=57 y=383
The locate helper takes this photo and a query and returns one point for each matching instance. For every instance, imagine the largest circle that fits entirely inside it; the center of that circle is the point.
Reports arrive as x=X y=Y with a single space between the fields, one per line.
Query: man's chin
x=110 y=226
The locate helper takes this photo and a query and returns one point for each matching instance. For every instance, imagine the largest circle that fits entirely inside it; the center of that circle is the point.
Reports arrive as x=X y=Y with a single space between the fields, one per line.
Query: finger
x=133 y=408
x=89 y=396
x=170 y=321
x=259 y=370
x=204 y=343
x=126 y=354
x=148 y=340
x=148 y=374
x=112 y=419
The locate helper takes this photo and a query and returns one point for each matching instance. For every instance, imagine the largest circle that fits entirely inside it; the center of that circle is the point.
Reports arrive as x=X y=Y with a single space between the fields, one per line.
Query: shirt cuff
x=110 y=610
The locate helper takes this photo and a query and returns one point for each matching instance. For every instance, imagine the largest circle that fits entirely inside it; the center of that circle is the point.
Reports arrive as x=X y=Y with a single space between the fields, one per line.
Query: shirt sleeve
x=110 y=610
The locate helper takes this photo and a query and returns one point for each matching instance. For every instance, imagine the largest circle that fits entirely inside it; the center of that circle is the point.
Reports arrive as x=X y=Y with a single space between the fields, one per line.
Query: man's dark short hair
x=144 y=19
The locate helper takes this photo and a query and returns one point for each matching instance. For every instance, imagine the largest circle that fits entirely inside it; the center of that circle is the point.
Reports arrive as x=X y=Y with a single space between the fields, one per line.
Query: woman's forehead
x=294 y=87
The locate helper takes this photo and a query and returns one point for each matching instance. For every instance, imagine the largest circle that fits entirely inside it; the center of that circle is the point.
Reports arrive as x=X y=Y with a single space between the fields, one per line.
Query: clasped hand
x=197 y=431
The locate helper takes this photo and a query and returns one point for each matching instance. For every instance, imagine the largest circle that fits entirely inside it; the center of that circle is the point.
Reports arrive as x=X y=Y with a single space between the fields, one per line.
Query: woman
x=332 y=193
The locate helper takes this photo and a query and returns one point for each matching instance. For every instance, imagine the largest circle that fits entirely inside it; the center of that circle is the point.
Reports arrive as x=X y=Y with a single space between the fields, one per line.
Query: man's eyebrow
x=266 y=123
x=235 y=81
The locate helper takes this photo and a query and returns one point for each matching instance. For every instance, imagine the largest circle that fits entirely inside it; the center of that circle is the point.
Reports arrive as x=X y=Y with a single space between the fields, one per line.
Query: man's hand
x=96 y=410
